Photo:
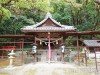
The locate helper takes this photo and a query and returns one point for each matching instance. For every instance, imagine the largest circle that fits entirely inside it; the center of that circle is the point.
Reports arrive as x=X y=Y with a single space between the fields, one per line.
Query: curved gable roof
x=44 y=26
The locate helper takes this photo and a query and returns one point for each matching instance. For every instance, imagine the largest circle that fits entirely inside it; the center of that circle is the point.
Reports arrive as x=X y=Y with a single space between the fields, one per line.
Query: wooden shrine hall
x=48 y=35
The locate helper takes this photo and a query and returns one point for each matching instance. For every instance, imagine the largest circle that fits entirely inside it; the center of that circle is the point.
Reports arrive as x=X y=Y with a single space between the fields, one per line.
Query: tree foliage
x=14 y=14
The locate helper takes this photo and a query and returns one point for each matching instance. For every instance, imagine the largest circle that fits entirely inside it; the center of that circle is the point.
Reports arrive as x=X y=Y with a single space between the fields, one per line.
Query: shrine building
x=49 y=35
x=48 y=32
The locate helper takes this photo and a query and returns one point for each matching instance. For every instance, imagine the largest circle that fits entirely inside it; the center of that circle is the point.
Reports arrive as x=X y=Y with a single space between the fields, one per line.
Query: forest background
x=15 y=14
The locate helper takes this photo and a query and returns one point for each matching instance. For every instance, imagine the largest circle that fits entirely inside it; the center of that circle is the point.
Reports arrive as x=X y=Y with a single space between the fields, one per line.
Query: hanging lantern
x=40 y=42
x=56 y=41
x=45 y=43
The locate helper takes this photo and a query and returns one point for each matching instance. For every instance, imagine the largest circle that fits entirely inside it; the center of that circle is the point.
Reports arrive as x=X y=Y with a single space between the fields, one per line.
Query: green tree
x=83 y=14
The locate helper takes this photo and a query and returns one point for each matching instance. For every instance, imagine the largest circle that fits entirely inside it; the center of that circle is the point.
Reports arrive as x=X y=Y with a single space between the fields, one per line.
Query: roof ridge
x=48 y=15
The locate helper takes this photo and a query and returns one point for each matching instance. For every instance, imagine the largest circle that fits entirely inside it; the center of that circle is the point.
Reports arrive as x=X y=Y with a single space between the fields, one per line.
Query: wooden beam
x=83 y=33
x=16 y=36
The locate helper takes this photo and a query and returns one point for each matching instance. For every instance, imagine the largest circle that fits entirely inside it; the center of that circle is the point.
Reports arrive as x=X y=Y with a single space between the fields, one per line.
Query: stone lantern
x=11 y=57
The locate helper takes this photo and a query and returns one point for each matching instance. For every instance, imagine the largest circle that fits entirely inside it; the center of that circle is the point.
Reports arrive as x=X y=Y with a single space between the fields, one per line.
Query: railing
x=7 y=48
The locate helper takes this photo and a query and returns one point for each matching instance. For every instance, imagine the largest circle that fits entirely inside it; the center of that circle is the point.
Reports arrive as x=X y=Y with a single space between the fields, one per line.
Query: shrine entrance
x=42 y=55
x=42 y=51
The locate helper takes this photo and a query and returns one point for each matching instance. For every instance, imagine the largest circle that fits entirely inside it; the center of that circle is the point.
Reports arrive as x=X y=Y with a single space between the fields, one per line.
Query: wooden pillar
x=96 y=61
x=14 y=41
x=35 y=39
x=78 y=50
x=22 y=45
x=49 y=48
x=85 y=58
x=63 y=57
x=62 y=54
x=2 y=53
x=34 y=57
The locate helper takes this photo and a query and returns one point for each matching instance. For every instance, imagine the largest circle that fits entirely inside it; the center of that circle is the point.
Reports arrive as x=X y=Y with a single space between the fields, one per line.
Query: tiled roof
x=92 y=43
x=48 y=28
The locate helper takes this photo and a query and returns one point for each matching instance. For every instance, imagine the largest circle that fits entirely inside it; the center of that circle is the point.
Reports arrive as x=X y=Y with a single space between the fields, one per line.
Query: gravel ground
x=45 y=69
